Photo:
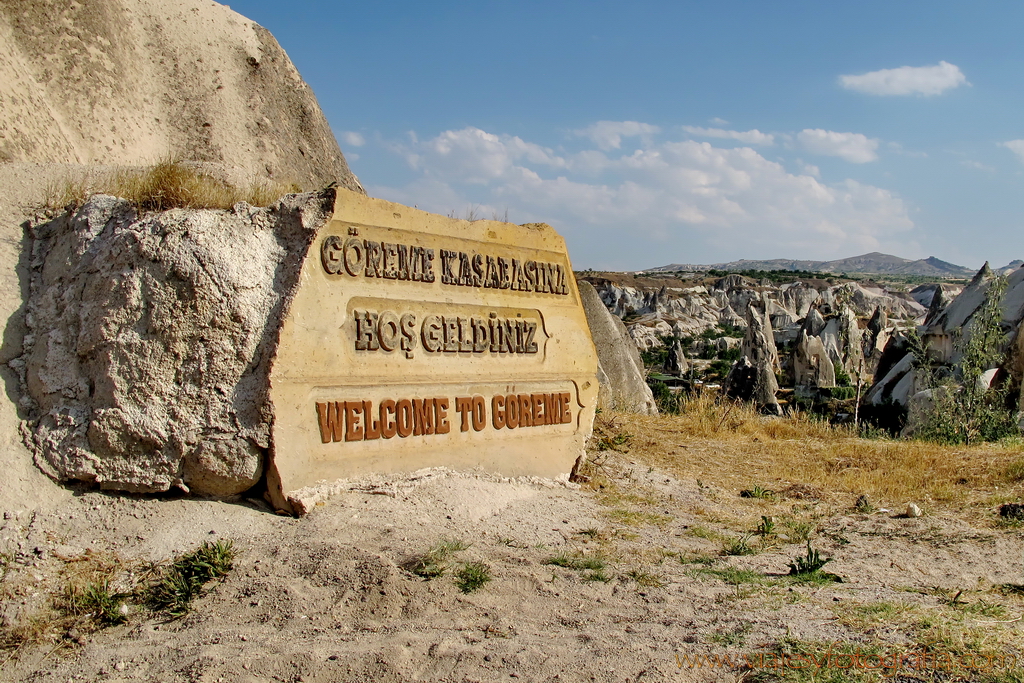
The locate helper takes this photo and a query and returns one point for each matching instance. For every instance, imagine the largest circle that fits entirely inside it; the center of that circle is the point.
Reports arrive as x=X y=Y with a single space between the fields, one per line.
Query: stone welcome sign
x=326 y=337
x=415 y=340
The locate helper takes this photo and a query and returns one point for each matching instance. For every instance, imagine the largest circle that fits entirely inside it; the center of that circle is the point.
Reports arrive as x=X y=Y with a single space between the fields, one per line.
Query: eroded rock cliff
x=131 y=82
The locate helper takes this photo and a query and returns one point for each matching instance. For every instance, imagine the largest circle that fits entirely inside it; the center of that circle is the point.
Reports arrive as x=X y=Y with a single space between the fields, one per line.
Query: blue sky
x=657 y=132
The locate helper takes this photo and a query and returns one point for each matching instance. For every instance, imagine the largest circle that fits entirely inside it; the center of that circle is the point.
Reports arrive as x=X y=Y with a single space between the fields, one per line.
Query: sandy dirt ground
x=330 y=597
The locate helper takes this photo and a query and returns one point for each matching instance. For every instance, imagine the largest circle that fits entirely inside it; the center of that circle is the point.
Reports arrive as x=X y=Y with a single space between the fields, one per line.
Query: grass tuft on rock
x=169 y=184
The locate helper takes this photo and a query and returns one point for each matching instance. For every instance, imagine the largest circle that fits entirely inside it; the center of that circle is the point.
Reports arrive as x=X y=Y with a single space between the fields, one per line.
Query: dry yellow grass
x=166 y=185
x=54 y=619
x=733 y=446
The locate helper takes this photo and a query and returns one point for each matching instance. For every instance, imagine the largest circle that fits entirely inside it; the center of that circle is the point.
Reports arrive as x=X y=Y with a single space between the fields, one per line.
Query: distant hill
x=1011 y=266
x=874 y=263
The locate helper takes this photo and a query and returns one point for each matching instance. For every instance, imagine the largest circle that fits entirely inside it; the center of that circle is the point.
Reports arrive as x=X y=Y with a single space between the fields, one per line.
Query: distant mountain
x=1012 y=265
x=874 y=263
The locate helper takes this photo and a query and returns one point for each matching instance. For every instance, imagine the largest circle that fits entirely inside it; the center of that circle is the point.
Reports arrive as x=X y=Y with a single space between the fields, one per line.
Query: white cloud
x=900 y=149
x=1015 y=146
x=809 y=169
x=627 y=209
x=750 y=137
x=719 y=122
x=978 y=166
x=907 y=80
x=608 y=135
x=353 y=139
x=853 y=147
x=476 y=156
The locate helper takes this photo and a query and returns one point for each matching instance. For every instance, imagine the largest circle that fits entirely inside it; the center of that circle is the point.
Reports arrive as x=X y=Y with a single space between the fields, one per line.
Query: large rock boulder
x=812 y=366
x=754 y=382
x=874 y=341
x=620 y=369
x=132 y=82
x=898 y=384
x=676 y=363
x=752 y=378
x=758 y=341
x=150 y=340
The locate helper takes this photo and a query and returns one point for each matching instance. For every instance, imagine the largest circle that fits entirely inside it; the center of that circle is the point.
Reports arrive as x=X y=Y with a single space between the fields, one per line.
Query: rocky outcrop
x=755 y=383
x=620 y=370
x=150 y=340
x=759 y=342
x=873 y=342
x=752 y=378
x=689 y=311
x=896 y=386
x=132 y=82
x=675 y=362
x=812 y=366
x=795 y=323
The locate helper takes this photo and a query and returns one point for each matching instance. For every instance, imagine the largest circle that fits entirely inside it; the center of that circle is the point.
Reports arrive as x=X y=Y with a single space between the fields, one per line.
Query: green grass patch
x=96 y=601
x=798 y=530
x=577 y=561
x=435 y=562
x=732 y=575
x=637 y=517
x=186 y=579
x=644 y=578
x=704 y=532
x=735 y=637
x=590 y=567
x=738 y=546
x=472 y=576
x=1015 y=472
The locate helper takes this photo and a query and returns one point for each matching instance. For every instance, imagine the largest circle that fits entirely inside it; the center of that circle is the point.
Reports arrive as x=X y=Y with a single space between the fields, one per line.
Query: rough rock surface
x=134 y=81
x=759 y=342
x=812 y=366
x=655 y=311
x=897 y=385
x=675 y=362
x=752 y=378
x=620 y=369
x=150 y=340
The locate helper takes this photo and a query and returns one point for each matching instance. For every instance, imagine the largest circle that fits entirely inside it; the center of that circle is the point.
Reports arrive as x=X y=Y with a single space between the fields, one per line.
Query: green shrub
x=964 y=412
x=843 y=393
x=668 y=402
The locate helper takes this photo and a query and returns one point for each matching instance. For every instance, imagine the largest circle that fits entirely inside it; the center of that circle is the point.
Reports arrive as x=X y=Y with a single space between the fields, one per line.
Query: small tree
x=965 y=410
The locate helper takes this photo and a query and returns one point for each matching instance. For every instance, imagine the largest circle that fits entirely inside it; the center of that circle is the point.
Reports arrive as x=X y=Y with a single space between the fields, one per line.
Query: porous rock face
x=132 y=82
x=150 y=340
